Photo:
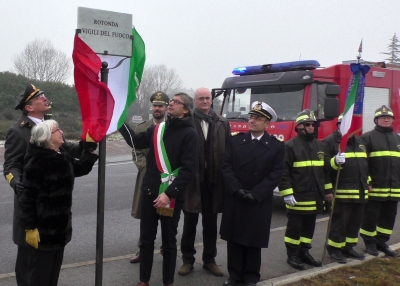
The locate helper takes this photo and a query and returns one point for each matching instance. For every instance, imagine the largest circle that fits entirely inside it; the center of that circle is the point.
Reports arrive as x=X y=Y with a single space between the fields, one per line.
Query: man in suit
x=159 y=102
x=253 y=167
x=205 y=194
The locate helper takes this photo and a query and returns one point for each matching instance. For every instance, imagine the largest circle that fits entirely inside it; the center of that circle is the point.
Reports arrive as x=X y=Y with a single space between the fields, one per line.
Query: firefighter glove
x=241 y=193
x=32 y=237
x=340 y=158
x=289 y=200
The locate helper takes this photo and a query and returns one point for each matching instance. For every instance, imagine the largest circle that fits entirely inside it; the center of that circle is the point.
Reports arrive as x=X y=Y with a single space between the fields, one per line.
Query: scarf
x=206 y=117
x=164 y=166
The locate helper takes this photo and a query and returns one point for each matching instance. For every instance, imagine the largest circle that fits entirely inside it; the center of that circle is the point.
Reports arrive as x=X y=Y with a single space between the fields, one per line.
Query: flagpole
x=101 y=195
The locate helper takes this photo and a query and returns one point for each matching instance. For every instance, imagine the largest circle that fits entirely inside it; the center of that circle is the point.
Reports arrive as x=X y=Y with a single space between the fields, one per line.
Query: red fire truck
x=291 y=87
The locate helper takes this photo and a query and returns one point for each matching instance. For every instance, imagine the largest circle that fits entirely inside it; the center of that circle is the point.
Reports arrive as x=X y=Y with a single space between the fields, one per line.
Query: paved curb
x=295 y=277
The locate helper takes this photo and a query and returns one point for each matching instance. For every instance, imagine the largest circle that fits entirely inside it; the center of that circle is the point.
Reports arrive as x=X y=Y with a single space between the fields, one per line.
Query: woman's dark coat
x=46 y=202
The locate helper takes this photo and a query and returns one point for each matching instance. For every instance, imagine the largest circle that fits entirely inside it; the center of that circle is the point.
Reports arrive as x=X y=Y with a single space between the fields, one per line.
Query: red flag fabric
x=95 y=98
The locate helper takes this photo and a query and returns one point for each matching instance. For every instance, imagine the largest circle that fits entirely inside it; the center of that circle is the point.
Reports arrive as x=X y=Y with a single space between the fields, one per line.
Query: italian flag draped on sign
x=104 y=108
x=352 y=114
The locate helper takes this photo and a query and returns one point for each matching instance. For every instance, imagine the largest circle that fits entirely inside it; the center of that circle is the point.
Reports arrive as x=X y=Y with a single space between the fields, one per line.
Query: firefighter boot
x=370 y=248
x=306 y=257
x=295 y=262
x=336 y=254
x=351 y=253
x=381 y=246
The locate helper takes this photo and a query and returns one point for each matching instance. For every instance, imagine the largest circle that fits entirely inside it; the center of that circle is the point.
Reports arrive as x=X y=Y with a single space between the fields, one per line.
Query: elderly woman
x=48 y=182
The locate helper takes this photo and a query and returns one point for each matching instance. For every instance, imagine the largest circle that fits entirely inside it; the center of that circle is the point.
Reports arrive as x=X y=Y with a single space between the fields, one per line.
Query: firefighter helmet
x=305 y=116
x=383 y=111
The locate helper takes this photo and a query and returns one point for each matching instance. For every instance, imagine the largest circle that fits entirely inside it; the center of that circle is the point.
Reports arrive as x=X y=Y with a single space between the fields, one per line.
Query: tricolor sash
x=163 y=165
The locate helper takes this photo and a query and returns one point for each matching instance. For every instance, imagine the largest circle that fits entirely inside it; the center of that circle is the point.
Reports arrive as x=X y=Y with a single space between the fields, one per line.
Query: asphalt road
x=122 y=231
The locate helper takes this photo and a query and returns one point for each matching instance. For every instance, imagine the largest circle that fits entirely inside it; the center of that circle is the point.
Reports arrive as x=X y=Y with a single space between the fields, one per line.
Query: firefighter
x=350 y=195
x=383 y=150
x=304 y=186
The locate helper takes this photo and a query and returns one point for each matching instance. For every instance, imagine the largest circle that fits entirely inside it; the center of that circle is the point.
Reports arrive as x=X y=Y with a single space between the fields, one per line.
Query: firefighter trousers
x=378 y=221
x=345 y=224
x=299 y=232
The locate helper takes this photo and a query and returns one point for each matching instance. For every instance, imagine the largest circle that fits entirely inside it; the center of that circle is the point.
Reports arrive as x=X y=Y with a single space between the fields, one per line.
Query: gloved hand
x=91 y=146
x=241 y=193
x=19 y=188
x=32 y=237
x=340 y=158
x=289 y=200
x=248 y=198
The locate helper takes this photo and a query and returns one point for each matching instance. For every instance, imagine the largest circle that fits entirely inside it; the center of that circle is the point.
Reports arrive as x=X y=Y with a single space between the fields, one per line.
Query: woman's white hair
x=41 y=133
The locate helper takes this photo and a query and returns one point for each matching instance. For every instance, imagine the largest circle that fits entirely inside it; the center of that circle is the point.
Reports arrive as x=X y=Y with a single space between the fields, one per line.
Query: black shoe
x=371 y=249
x=351 y=253
x=336 y=255
x=295 y=262
x=308 y=259
x=385 y=249
x=136 y=258
x=231 y=282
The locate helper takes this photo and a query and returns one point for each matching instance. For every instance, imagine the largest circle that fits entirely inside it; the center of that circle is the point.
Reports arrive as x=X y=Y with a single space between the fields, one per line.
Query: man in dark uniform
x=304 y=186
x=252 y=169
x=383 y=150
x=350 y=195
x=159 y=102
x=34 y=106
x=205 y=194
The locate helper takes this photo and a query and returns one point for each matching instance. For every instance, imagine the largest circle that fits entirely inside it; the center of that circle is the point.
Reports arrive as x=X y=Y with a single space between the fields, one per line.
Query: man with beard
x=383 y=151
x=304 y=186
x=159 y=102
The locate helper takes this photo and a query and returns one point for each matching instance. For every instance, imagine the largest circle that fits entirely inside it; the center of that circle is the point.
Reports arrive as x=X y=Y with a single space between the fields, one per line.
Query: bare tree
x=155 y=78
x=41 y=61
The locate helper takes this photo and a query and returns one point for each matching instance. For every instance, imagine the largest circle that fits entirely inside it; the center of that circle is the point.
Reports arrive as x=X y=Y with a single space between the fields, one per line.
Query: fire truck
x=294 y=86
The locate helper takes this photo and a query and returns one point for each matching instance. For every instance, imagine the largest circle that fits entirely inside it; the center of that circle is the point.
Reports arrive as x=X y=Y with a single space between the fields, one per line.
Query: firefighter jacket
x=353 y=176
x=306 y=175
x=383 y=150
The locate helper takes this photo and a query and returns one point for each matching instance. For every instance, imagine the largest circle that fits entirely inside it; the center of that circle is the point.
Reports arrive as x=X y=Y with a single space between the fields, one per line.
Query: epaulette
x=236 y=133
x=277 y=138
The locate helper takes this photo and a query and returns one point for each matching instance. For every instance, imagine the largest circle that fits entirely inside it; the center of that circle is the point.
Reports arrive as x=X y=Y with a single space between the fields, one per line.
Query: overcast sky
x=204 y=40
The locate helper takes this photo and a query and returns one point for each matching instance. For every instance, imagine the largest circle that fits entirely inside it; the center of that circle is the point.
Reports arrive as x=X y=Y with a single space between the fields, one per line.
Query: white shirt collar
x=35 y=120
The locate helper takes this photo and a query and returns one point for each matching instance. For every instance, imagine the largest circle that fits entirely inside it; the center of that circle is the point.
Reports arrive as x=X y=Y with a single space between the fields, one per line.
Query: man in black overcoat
x=253 y=167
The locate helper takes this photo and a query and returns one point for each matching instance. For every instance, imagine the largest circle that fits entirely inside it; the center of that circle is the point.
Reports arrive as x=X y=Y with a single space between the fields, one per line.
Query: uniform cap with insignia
x=159 y=98
x=383 y=111
x=30 y=92
x=262 y=109
x=305 y=116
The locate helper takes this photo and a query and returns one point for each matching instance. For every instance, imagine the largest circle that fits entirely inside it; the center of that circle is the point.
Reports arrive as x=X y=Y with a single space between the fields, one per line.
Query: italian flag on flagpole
x=352 y=114
x=104 y=107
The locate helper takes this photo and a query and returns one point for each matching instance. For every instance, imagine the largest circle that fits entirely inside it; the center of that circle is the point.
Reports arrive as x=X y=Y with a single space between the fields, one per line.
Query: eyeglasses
x=309 y=124
x=40 y=96
x=175 y=101
x=58 y=129
x=204 y=98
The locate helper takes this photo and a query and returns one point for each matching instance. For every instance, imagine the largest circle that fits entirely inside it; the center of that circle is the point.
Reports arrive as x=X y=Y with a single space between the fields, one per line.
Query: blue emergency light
x=280 y=67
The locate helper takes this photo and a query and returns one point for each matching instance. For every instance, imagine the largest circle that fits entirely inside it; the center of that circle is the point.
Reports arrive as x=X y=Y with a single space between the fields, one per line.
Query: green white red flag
x=104 y=107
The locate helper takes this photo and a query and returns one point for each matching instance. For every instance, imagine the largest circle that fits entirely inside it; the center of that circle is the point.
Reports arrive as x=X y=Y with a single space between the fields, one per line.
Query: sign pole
x=101 y=195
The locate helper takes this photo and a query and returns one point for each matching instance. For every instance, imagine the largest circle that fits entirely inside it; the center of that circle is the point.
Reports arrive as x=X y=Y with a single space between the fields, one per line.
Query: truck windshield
x=286 y=100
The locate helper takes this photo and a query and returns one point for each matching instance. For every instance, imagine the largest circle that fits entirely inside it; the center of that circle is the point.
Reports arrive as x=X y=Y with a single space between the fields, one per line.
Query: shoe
x=371 y=249
x=308 y=259
x=213 y=268
x=385 y=249
x=231 y=282
x=142 y=284
x=336 y=255
x=135 y=259
x=295 y=262
x=351 y=253
x=185 y=269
